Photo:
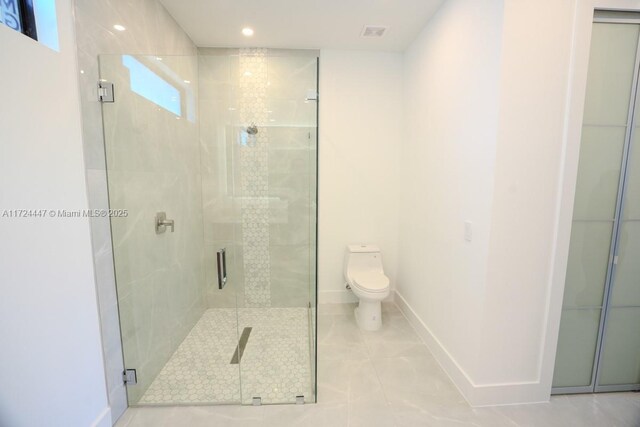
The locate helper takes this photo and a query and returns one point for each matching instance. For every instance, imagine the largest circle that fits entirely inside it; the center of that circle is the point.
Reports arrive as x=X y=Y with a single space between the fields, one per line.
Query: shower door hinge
x=130 y=377
x=312 y=95
x=105 y=92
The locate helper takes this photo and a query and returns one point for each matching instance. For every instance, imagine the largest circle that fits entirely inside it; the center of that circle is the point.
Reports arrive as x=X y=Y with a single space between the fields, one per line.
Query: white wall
x=531 y=138
x=360 y=130
x=486 y=110
x=51 y=370
x=448 y=154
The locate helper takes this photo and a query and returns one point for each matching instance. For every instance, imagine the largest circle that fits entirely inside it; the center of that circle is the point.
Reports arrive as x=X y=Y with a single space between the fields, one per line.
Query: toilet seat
x=371 y=281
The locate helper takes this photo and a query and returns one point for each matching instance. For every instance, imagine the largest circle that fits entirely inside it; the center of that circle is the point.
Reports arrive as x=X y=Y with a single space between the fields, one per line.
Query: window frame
x=28 y=18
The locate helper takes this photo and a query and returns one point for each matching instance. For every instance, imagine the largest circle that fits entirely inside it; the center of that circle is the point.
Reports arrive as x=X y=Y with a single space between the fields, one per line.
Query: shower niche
x=224 y=144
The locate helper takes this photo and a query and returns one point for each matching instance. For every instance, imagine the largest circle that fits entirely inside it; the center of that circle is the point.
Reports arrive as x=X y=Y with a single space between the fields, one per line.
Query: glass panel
x=626 y=284
x=621 y=353
x=620 y=362
x=258 y=129
x=576 y=348
x=180 y=349
x=588 y=263
x=611 y=69
x=312 y=279
x=632 y=186
x=609 y=85
x=599 y=172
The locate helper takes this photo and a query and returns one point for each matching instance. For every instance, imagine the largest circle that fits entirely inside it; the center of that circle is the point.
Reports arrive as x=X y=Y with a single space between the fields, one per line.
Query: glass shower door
x=180 y=349
x=259 y=137
x=209 y=155
x=278 y=93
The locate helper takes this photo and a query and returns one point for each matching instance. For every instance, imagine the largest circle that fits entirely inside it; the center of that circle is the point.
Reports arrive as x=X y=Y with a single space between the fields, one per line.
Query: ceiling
x=302 y=24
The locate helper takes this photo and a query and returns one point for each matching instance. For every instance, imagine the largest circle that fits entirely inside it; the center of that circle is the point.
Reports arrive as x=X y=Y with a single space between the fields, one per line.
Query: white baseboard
x=104 y=419
x=476 y=394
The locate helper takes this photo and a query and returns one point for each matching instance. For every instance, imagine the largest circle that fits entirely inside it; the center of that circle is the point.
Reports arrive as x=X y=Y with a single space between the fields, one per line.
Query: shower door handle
x=221 y=258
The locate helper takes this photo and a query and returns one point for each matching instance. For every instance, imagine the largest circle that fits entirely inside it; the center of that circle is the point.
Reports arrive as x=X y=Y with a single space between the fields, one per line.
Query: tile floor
x=389 y=378
x=275 y=365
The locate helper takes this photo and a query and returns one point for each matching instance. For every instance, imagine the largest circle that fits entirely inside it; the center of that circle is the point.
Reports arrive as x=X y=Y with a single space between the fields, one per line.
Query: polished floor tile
x=390 y=379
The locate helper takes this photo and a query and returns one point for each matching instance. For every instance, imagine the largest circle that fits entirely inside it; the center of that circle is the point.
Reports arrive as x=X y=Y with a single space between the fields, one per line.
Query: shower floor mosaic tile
x=275 y=365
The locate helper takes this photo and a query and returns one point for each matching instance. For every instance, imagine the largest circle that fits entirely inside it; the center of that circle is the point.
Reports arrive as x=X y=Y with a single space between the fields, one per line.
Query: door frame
x=584 y=20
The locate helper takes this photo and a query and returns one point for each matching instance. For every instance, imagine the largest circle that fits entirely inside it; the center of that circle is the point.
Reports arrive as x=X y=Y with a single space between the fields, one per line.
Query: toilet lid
x=371 y=281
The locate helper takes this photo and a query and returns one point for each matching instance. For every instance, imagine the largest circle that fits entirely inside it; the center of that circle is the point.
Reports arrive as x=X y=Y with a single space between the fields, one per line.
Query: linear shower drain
x=242 y=343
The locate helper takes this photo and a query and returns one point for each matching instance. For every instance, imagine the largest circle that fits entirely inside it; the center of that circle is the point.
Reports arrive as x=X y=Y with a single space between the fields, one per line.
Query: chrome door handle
x=221 y=259
x=162 y=223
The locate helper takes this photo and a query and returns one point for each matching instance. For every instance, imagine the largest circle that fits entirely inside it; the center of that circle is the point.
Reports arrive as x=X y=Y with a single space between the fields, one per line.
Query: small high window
x=33 y=18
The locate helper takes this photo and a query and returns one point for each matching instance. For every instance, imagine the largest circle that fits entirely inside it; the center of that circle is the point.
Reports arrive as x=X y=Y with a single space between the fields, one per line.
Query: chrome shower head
x=252 y=129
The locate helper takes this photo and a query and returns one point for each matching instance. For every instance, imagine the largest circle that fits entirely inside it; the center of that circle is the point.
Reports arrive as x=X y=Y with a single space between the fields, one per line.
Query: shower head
x=252 y=129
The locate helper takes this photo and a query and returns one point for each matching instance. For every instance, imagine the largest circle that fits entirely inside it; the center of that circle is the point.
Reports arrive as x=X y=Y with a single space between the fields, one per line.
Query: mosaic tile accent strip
x=254 y=173
x=276 y=364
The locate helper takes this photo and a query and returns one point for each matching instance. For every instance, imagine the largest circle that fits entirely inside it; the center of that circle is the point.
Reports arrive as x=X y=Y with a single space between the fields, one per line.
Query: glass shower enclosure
x=214 y=159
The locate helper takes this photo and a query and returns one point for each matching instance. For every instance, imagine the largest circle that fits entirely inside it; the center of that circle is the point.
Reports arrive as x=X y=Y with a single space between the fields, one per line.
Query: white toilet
x=365 y=277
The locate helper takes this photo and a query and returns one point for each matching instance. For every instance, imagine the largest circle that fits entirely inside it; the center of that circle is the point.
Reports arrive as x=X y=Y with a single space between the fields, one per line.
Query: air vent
x=373 y=31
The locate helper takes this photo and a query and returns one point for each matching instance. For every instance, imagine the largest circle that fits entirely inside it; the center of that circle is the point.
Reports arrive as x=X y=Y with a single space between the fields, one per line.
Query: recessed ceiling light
x=119 y=27
x=187 y=81
x=248 y=32
x=158 y=58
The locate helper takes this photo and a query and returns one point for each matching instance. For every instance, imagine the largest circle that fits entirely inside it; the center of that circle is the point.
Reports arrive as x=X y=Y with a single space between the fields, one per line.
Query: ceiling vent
x=373 y=31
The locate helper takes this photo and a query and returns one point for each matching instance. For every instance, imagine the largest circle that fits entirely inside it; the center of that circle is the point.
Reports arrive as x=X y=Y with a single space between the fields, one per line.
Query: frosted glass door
x=620 y=359
x=605 y=133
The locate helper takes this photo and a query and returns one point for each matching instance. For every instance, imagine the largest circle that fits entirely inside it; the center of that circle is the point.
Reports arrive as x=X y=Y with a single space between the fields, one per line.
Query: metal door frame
x=593 y=387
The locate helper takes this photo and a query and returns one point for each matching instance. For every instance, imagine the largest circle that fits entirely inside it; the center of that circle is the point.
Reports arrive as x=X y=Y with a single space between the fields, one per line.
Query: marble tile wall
x=290 y=164
x=149 y=30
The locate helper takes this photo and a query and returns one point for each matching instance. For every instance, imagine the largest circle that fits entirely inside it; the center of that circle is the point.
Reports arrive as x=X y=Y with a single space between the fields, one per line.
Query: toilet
x=365 y=277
